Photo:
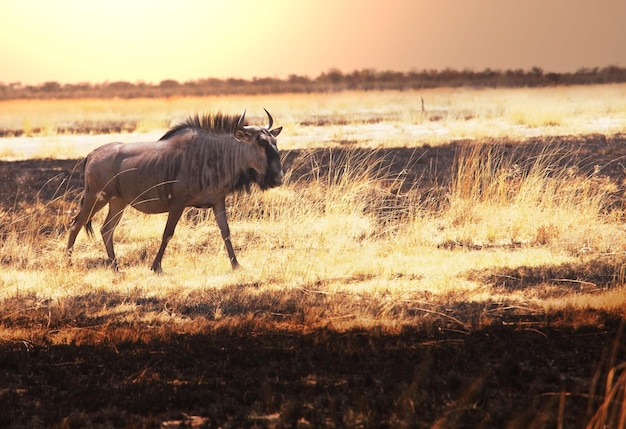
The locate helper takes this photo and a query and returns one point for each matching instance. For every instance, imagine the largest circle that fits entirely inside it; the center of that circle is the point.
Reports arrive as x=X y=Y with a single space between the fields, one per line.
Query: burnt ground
x=533 y=372
x=500 y=376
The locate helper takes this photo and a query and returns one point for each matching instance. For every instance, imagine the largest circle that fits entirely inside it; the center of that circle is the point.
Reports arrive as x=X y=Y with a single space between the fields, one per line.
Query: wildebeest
x=195 y=164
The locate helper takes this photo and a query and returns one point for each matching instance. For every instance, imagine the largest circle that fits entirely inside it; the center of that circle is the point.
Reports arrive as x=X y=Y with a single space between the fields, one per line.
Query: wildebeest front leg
x=170 y=226
x=219 y=209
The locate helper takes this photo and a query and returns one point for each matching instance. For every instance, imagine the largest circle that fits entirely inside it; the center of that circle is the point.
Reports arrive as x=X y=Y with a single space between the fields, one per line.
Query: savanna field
x=437 y=258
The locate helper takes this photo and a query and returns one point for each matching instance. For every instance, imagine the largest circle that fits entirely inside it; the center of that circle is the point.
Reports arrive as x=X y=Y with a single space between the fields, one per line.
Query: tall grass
x=349 y=200
x=611 y=411
x=343 y=215
x=500 y=194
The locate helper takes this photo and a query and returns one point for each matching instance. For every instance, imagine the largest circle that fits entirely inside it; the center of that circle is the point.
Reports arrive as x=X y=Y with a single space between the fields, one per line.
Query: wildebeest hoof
x=114 y=265
x=157 y=268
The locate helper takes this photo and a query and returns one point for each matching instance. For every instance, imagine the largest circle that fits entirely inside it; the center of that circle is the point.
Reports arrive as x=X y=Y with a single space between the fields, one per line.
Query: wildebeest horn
x=269 y=127
x=240 y=122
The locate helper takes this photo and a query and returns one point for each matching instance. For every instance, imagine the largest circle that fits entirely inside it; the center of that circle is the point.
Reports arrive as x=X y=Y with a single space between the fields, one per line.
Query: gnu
x=195 y=164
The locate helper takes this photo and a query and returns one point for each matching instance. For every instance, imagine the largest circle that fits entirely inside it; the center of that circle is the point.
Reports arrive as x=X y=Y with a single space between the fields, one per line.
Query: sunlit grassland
x=346 y=244
x=47 y=128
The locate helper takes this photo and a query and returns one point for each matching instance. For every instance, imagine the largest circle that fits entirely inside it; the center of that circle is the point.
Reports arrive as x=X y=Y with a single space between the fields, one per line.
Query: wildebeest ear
x=241 y=135
x=276 y=131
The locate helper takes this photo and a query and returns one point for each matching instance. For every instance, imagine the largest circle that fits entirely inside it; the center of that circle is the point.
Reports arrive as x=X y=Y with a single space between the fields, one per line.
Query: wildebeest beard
x=246 y=178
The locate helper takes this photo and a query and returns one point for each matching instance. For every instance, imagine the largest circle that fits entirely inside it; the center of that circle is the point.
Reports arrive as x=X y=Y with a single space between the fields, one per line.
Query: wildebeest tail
x=89 y=228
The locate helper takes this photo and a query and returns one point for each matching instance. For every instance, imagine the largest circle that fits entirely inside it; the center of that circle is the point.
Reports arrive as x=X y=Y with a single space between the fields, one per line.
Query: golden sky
x=71 y=41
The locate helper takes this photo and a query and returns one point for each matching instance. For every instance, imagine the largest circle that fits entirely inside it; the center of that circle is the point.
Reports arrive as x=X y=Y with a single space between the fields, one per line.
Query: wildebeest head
x=266 y=169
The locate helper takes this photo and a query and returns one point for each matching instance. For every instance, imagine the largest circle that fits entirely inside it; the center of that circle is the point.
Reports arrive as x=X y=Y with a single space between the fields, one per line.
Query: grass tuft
x=499 y=194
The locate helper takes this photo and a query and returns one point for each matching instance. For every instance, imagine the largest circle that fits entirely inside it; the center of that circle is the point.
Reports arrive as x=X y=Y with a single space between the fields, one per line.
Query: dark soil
x=501 y=376
x=548 y=373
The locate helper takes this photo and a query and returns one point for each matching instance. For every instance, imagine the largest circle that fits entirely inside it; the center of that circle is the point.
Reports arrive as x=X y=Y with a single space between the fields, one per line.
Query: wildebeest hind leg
x=174 y=215
x=116 y=209
x=89 y=206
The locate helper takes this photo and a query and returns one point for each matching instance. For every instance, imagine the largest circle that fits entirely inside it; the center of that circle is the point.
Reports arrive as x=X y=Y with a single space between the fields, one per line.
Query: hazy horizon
x=71 y=41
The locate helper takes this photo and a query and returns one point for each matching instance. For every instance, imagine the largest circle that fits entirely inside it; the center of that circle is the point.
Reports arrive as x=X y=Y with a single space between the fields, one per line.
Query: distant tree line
x=331 y=81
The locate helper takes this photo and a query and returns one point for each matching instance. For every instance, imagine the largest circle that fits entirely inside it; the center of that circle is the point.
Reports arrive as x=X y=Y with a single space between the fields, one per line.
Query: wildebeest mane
x=213 y=123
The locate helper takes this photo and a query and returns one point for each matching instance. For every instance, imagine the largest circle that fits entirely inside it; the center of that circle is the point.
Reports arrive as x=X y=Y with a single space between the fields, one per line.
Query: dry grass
x=348 y=242
x=495 y=194
x=338 y=246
